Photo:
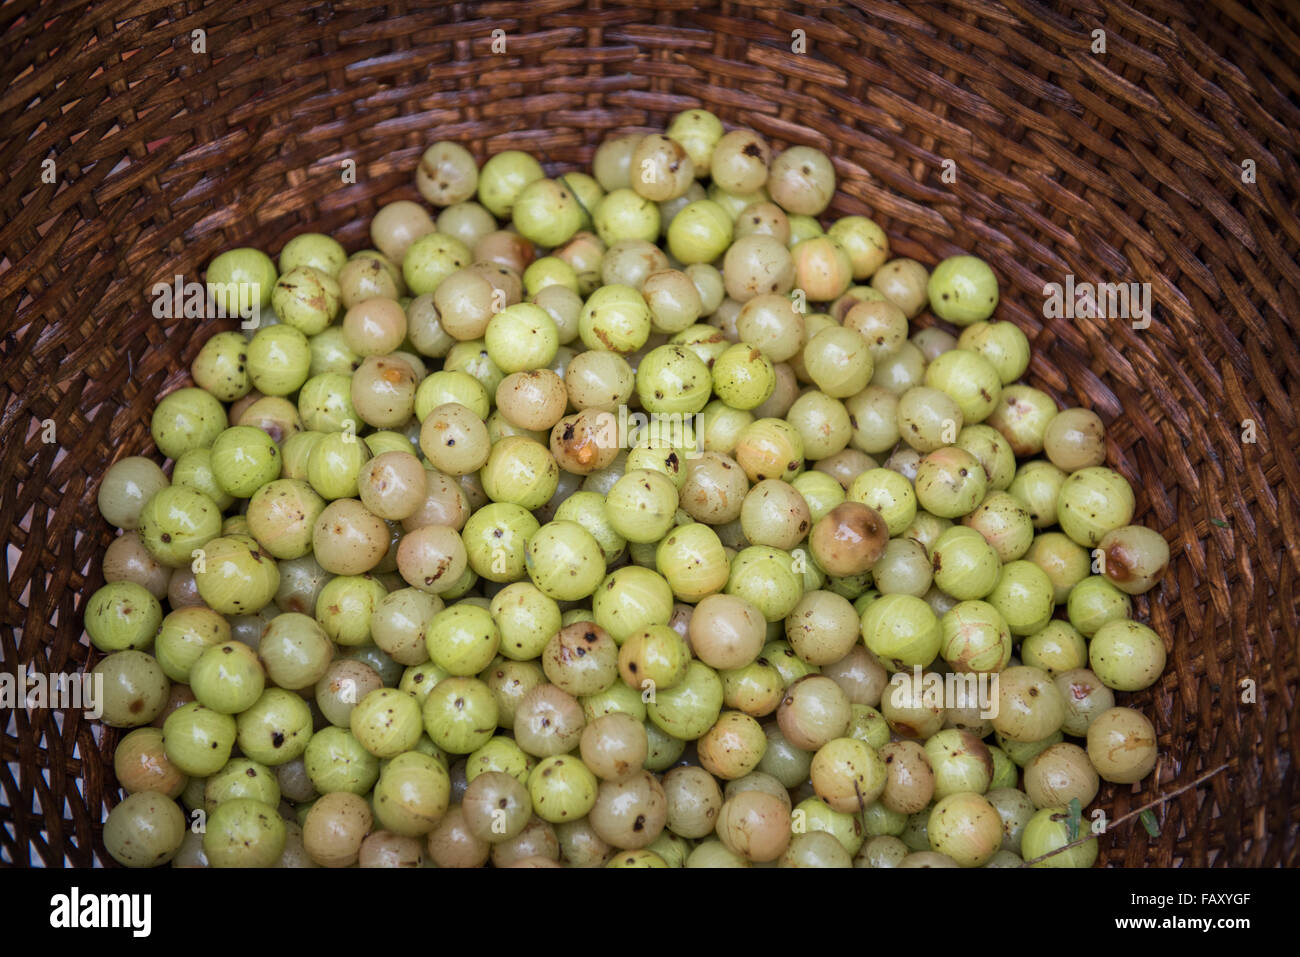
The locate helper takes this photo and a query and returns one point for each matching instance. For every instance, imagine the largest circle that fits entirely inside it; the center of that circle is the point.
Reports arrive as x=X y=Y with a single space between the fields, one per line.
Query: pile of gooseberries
x=619 y=519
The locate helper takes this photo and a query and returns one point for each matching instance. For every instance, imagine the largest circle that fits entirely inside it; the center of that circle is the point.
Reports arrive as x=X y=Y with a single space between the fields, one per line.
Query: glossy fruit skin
x=1047 y=831
x=963 y=290
x=901 y=631
x=1126 y=655
x=237 y=576
x=198 y=740
x=1092 y=502
x=228 y=678
x=175 y=521
x=144 y=830
x=244 y=459
x=243 y=832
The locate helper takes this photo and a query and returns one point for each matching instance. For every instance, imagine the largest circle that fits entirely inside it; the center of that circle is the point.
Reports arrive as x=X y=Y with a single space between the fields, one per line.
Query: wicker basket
x=1169 y=158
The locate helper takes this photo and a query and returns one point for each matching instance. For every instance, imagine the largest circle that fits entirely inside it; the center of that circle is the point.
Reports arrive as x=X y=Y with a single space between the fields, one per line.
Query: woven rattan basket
x=1153 y=142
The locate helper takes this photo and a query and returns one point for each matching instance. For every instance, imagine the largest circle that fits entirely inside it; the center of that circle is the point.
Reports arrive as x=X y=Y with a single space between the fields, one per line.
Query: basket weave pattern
x=1122 y=166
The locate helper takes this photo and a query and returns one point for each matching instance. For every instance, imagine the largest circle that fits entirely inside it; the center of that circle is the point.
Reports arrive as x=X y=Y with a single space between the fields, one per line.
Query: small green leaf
x=1148 y=819
x=1076 y=814
x=1219 y=522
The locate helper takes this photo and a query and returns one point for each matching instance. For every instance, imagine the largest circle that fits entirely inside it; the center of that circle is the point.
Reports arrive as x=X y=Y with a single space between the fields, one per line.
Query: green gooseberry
x=295 y=453
x=316 y=250
x=198 y=740
x=1126 y=655
x=1024 y=596
x=412 y=794
x=145 y=829
x=431 y=259
x=547 y=213
x=654 y=658
x=330 y=353
x=1095 y=601
x=902 y=631
x=462 y=639
x=705 y=341
x=671 y=379
x=496 y=537
x=228 y=678
x=236 y=577
x=122 y=615
x=1037 y=485
x=526 y=618
x=1022 y=752
x=549 y=271
x=1048 y=831
x=564 y=560
x=1003 y=344
x=969 y=379
x=187 y=419
x=743 y=377
x=460 y=714
x=975 y=638
x=387 y=722
x=615 y=318
x=281 y=515
x=878 y=820
x=642 y=506
x=813 y=814
x=864 y=241
x=244 y=459
x=240 y=281
x=279 y=360
x=1056 y=648
x=617 y=698
x=336 y=761
x=993 y=451
x=562 y=789
x=700 y=232
x=419 y=680
x=869 y=726
x=960 y=762
x=690 y=708
x=1065 y=562
x=520 y=471
x=966 y=828
x=663 y=750
x=768 y=578
x=472 y=359
x=135 y=689
x=194 y=470
x=1092 y=502
x=631 y=599
x=276 y=729
x=241 y=778
x=184 y=635
x=444 y=386
x=692 y=560
x=950 y=482
x=345 y=605
x=325 y=403
x=501 y=755
x=307 y=299
x=375 y=658
x=334 y=464
x=243 y=832
x=522 y=337
x=965 y=565
x=220 y=367
x=963 y=290
x=781 y=656
x=889 y=493
x=503 y=177
x=624 y=214
x=295 y=651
